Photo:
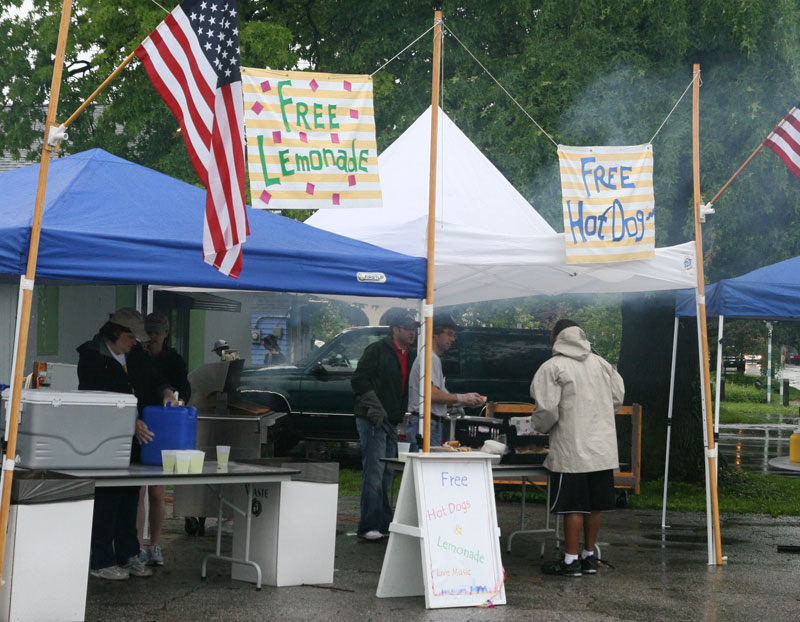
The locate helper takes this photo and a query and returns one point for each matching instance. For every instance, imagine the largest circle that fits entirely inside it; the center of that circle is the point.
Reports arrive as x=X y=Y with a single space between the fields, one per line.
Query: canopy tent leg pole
x=669 y=423
x=421 y=341
x=709 y=521
x=769 y=362
x=27 y=283
x=720 y=379
x=13 y=388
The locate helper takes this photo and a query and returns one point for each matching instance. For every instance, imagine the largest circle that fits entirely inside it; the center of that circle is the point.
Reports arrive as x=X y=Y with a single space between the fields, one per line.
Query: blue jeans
x=413 y=428
x=376 y=482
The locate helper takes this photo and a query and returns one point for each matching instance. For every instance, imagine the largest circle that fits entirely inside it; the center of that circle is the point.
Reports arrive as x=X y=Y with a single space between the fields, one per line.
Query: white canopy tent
x=490 y=243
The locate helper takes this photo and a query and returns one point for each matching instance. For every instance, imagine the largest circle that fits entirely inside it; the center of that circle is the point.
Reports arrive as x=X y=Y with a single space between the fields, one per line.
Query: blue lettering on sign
x=606 y=178
x=586 y=173
x=613 y=219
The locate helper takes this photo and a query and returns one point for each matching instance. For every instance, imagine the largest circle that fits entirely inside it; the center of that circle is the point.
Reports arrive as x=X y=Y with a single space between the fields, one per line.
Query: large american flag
x=785 y=140
x=192 y=58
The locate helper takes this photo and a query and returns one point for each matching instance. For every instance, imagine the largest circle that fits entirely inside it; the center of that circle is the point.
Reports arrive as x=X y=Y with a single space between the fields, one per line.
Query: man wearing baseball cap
x=444 y=335
x=380 y=383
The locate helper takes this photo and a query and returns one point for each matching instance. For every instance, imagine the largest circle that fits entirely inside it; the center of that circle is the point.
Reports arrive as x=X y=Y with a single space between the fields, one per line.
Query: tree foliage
x=588 y=71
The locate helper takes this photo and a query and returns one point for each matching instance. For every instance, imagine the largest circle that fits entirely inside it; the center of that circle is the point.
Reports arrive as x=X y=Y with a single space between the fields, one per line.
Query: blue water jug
x=173 y=427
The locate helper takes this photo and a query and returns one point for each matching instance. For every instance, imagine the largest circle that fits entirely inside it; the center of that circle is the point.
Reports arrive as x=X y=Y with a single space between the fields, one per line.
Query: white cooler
x=74 y=429
x=293 y=533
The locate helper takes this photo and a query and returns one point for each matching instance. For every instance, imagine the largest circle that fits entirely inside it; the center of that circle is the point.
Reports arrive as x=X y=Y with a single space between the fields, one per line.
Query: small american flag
x=192 y=59
x=785 y=140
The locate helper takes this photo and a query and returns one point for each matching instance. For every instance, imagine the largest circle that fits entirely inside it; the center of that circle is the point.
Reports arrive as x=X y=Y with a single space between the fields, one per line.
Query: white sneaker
x=111 y=573
x=136 y=568
x=154 y=556
x=372 y=535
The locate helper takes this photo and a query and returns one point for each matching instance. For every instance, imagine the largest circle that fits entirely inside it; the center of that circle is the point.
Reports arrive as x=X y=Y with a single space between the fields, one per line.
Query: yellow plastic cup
x=196 y=459
x=223 y=454
x=182 y=459
x=168 y=460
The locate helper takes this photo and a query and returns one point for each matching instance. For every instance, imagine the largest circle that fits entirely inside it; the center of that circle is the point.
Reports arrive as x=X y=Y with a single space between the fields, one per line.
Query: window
x=343 y=354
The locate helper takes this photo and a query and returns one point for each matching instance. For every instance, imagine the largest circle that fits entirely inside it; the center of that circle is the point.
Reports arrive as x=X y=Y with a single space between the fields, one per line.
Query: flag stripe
x=785 y=141
x=192 y=58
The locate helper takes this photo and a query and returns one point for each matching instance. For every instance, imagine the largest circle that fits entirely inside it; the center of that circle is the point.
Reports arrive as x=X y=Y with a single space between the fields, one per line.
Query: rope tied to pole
x=686 y=90
x=497 y=82
x=403 y=50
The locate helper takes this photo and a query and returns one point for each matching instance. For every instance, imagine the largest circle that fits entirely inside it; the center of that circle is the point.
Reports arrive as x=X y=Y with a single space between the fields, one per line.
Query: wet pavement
x=655 y=577
x=750 y=447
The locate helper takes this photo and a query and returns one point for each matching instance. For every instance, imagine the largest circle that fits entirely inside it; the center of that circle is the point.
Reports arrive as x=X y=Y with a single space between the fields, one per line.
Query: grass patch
x=745 y=403
x=749 y=412
x=743 y=388
x=350 y=483
x=739 y=493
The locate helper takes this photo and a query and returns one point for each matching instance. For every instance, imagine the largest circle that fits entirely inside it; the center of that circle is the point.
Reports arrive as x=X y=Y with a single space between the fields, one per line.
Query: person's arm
x=546 y=391
x=366 y=370
x=617 y=388
x=179 y=377
x=90 y=373
x=462 y=399
x=364 y=388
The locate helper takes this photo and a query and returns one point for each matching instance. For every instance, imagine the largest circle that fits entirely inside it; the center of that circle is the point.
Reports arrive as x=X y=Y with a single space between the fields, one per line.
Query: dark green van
x=496 y=362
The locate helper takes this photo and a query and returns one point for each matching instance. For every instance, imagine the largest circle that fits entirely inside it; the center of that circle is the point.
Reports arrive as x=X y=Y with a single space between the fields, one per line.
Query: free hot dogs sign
x=608 y=203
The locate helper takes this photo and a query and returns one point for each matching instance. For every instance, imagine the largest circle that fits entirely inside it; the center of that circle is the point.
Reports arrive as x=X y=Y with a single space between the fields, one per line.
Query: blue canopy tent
x=768 y=293
x=108 y=220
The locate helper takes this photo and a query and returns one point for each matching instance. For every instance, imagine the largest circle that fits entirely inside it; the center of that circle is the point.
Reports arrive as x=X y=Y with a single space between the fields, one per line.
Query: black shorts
x=573 y=493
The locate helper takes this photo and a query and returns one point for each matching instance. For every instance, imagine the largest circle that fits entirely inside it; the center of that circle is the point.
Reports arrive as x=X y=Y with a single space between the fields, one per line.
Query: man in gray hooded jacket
x=577 y=394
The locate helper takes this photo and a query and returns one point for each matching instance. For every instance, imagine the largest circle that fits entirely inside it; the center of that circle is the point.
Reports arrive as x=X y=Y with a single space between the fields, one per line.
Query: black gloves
x=375 y=411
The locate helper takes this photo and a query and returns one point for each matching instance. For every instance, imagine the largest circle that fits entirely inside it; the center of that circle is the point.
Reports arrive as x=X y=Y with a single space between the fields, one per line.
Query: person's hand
x=470 y=399
x=143 y=433
x=376 y=414
x=170 y=399
x=377 y=418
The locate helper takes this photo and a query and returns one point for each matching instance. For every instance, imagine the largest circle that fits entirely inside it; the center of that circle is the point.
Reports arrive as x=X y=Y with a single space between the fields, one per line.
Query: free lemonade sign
x=608 y=203
x=459 y=526
x=310 y=140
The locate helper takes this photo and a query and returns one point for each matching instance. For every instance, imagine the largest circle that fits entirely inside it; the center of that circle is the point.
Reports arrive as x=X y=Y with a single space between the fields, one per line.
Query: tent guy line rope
x=399 y=53
x=511 y=97
x=159 y=6
x=686 y=90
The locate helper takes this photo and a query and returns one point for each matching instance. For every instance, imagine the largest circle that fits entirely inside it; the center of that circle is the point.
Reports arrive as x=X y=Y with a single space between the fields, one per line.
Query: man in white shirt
x=444 y=334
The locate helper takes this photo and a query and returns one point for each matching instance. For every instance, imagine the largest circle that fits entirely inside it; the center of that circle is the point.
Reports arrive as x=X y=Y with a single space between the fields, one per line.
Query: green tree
x=599 y=316
x=130 y=119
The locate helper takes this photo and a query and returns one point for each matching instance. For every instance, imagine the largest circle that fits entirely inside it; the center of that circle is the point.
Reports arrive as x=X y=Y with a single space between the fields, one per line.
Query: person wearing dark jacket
x=114 y=361
x=380 y=383
x=171 y=369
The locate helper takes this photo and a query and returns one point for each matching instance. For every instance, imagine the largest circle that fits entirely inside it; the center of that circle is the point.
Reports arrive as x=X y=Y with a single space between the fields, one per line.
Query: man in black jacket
x=381 y=387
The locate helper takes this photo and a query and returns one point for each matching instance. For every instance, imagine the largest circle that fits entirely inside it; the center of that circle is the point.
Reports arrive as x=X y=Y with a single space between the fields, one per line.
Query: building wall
x=82 y=310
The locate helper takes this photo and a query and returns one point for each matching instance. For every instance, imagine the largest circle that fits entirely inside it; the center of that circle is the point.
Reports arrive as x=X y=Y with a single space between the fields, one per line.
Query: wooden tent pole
x=99 y=90
x=27 y=283
x=437 y=51
x=711 y=453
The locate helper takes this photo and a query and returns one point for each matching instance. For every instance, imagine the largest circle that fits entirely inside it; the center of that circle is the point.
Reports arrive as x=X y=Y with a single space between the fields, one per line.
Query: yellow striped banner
x=310 y=140
x=608 y=203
